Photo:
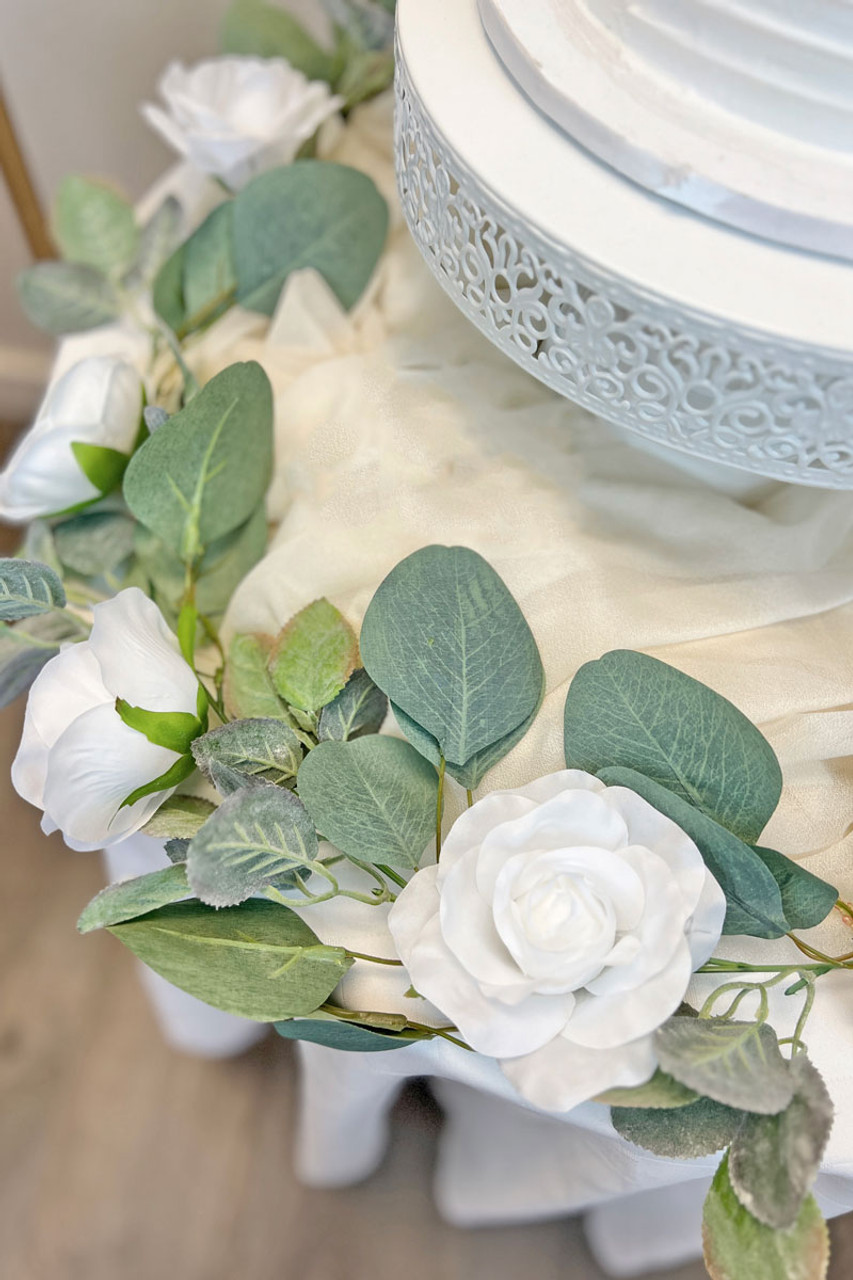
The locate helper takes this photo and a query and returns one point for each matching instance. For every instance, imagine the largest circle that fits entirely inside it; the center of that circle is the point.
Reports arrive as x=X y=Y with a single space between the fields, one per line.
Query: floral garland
x=555 y=927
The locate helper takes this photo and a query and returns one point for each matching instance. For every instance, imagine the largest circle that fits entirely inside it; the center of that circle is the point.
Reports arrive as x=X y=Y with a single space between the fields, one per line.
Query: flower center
x=564 y=912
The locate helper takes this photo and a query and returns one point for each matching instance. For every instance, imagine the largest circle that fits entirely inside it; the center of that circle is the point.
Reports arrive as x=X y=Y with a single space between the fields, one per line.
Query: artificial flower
x=78 y=760
x=235 y=117
x=98 y=401
x=559 y=930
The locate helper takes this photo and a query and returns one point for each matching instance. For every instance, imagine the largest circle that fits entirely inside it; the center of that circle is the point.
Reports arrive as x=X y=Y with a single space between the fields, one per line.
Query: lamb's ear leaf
x=132 y=898
x=28 y=588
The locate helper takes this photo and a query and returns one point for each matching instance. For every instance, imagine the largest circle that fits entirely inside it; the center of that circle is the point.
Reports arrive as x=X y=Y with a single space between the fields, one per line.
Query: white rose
x=559 y=930
x=97 y=402
x=234 y=117
x=78 y=760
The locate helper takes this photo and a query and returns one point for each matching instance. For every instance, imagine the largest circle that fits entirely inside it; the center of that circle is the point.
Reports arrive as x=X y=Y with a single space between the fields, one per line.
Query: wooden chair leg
x=22 y=189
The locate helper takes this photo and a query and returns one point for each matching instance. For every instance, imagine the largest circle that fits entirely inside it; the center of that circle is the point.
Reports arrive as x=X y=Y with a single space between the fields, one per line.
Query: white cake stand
x=691 y=335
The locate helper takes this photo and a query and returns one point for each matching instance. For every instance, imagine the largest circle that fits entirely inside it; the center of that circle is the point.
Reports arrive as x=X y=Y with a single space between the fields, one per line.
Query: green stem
x=797 y=1038
x=359 y=955
x=439 y=806
x=392 y=875
x=470 y=795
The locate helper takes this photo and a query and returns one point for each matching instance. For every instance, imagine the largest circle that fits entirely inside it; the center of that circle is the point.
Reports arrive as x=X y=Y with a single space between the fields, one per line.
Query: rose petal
x=468 y=927
x=607 y=1021
x=652 y=830
x=139 y=656
x=562 y=1075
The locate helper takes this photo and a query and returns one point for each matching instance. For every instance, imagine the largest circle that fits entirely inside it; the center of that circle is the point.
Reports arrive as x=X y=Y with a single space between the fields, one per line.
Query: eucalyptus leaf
x=661 y=1090
x=196 y=285
x=309 y=214
x=205 y=471
x=360 y=708
x=67 y=297
x=313 y=656
x=752 y=894
x=445 y=640
x=259 y=960
x=736 y=1063
x=374 y=798
x=260 y=748
x=683 y=1133
x=348 y=1036
x=629 y=710
x=268 y=31
x=26 y=647
x=739 y=1247
x=255 y=836
x=806 y=899
x=132 y=898
x=95 y=543
x=95 y=225
x=247 y=687
x=156 y=242
x=774 y=1159
x=28 y=588
x=179 y=817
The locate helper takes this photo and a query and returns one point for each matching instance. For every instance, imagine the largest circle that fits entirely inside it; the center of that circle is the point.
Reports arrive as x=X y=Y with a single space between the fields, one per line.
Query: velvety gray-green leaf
x=179 y=817
x=95 y=543
x=256 y=835
x=206 y=470
x=308 y=214
x=445 y=640
x=661 y=1090
x=67 y=297
x=313 y=657
x=261 y=30
x=348 y=1036
x=93 y=224
x=28 y=588
x=374 y=799
x=259 y=960
x=754 y=900
x=28 y=645
x=176 y=849
x=683 y=1133
x=631 y=710
x=739 y=1247
x=774 y=1159
x=360 y=708
x=260 y=748
x=736 y=1063
x=806 y=899
x=132 y=898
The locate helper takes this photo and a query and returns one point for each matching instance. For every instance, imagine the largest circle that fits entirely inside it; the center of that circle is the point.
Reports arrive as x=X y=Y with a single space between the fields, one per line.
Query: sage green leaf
x=255 y=749
x=67 y=297
x=174 y=730
x=806 y=899
x=308 y=214
x=259 y=960
x=348 y=1036
x=736 y=1063
x=28 y=646
x=255 y=836
x=774 y=1159
x=683 y=1133
x=752 y=894
x=132 y=898
x=313 y=656
x=205 y=471
x=179 y=817
x=101 y=466
x=196 y=285
x=28 y=588
x=445 y=640
x=177 y=849
x=157 y=240
x=630 y=710
x=661 y=1090
x=96 y=543
x=374 y=798
x=248 y=687
x=739 y=1247
x=268 y=31
x=95 y=225
x=360 y=708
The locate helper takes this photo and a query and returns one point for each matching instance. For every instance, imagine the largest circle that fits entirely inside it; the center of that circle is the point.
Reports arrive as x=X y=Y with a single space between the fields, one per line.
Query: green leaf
x=630 y=710
x=348 y=1036
x=255 y=836
x=774 y=1159
x=736 y=1063
x=660 y=1091
x=177 y=849
x=252 y=749
x=738 y=1247
x=806 y=899
x=205 y=471
x=308 y=214
x=683 y=1133
x=174 y=730
x=96 y=543
x=367 y=73
x=360 y=708
x=156 y=242
x=67 y=297
x=313 y=656
x=28 y=646
x=95 y=225
x=268 y=31
x=101 y=466
x=259 y=960
x=173 y=777
x=132 y=898
x=196 y=285
x=179 y=817
x=445 y=640
x=248 y=687
x=752 y=894
x=375 y=798
x=28 y=588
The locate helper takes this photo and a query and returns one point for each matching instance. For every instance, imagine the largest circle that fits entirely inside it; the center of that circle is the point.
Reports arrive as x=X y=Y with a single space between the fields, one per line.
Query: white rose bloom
x=78 y=760
x=235 y=117
x=559 y=930
x=98 y=402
